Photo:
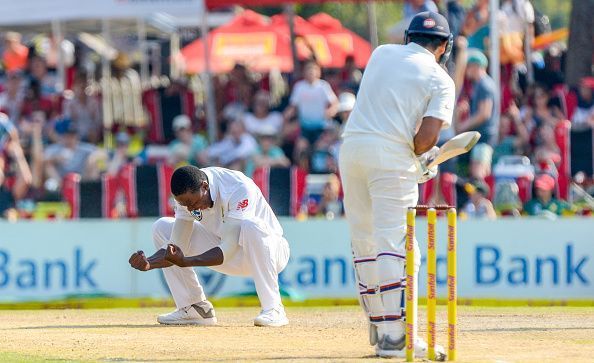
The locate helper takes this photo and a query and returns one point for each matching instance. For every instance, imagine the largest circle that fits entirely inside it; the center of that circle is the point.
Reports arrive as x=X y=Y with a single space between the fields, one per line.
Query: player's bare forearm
x=428 y=134
x=157 y=260
x=212 y=257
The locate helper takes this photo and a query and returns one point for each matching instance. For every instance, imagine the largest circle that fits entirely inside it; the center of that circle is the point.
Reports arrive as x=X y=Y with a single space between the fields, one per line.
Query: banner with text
x=504 y=259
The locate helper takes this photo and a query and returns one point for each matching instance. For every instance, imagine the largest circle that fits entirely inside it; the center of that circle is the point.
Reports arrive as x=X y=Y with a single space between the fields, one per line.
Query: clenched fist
x=139 y=261
x=175 y=255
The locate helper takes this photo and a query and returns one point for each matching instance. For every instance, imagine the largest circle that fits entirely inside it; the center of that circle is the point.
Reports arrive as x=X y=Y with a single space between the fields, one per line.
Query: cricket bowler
x=222 y=221
x=406 y=98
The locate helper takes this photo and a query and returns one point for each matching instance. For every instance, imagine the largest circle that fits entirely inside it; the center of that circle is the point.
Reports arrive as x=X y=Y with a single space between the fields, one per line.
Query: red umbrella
x=351 y=43
x=249 y=39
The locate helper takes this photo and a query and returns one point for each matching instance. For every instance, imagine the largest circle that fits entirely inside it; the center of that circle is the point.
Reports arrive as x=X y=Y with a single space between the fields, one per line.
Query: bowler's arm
x=216 y=255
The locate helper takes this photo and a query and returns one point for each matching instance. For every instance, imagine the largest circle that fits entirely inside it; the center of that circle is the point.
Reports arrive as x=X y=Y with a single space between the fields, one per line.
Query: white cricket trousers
x=380 y=183
x=262 y=256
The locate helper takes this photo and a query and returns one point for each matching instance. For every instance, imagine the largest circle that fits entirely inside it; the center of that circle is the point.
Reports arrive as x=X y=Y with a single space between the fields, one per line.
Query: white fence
x=505 y=259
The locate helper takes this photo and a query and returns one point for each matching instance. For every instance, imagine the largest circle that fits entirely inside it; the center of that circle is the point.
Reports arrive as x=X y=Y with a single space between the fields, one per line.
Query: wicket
x=412 y=294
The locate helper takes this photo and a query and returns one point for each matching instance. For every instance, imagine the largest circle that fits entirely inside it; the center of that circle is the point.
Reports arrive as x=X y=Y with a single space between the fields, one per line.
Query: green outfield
x=331 y=333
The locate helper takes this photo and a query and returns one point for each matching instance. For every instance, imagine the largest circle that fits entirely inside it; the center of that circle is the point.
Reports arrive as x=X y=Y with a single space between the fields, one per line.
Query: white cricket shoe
x=201 y=313
x=385 y=348
x=272 y=317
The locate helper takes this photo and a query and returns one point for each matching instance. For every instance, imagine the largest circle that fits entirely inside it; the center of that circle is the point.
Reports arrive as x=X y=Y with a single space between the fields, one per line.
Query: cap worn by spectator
x=64 y=127
x=545 y=182
x=346 y=102
x=181 y=122
x=475 y=56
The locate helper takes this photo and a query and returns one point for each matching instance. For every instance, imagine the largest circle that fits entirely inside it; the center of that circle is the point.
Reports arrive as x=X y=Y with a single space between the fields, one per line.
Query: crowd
x=50 y=128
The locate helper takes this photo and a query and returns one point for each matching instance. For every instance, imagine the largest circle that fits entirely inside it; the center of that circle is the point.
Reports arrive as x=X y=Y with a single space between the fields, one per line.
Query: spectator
x=346 y=103
x=413 y=7
x=313 y=101
x=11 y=99
x=482 y=100
x=187 y=146
x=330 y=205
x=547 y=154
x=15 y=54
x=69 y=155
x=233 y=151
x=539 y=112
x=325 y=151
x=584 y=113
x=48 y=83
x=15 y=174
x=479 y=206
x=268 y=153
x=481 y=158
x=238 y=90
x=544 y=202
x=34 y=101
x=350 y=75
x=119 y=157
x=83 y=110
x=475 y=26
x=261 y=120
x=513 y=134
x=455 y=15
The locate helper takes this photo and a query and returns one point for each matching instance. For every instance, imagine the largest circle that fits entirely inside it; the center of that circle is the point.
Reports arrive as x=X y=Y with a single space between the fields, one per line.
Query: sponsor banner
x=44 y=11
x=506 y=259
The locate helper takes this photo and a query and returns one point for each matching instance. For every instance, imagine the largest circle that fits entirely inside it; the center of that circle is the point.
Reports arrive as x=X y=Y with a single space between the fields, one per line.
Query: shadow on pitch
x=109 y=326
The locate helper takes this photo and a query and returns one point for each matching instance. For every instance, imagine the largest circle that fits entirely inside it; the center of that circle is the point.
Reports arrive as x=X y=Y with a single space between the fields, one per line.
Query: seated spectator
x=325 y=152
x=544 y=202
x=261 y=120
x=15 y=53
x=69 y=155
x=350 y=75
x=15 y=174
x=83 y=110
x=584 y=113
x=547 y=154
x=479 y=206
x=313 y=102
x=330 y=205
x=187 y=146
x=539 y=111
x=11 y=99
x=119 y=157
x=482 y=100
x=268 y=153
x=514 y=137
x=233 y=151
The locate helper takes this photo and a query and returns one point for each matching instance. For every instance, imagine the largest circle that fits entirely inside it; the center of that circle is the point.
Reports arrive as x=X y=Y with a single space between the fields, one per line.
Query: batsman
x=406 y=98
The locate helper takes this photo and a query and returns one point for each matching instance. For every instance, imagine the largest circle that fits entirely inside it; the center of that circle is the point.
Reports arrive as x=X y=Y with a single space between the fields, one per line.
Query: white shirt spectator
x=311 y=101
x=237 y=146
x=273 y=122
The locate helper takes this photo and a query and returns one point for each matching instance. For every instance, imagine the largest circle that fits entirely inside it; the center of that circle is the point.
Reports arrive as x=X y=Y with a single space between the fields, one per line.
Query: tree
x=581 y=42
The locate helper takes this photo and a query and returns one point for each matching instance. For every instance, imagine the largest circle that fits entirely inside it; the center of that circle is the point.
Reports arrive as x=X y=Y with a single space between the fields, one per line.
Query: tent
x=351 y=43
x=262 y=44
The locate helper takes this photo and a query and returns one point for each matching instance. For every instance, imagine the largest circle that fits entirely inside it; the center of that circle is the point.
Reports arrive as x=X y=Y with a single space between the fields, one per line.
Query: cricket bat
x=457 y=145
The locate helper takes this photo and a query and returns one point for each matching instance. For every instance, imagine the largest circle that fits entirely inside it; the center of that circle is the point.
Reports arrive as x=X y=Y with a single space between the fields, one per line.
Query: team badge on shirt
x=243 y=204
x=197 y=214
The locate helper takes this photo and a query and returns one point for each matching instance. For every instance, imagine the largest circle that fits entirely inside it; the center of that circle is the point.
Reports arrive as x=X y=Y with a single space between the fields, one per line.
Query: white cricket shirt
x=401 y=85
x=234 y=196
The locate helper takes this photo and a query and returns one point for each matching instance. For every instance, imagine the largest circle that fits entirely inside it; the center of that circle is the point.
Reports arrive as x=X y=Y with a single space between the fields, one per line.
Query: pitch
x=531 y=334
